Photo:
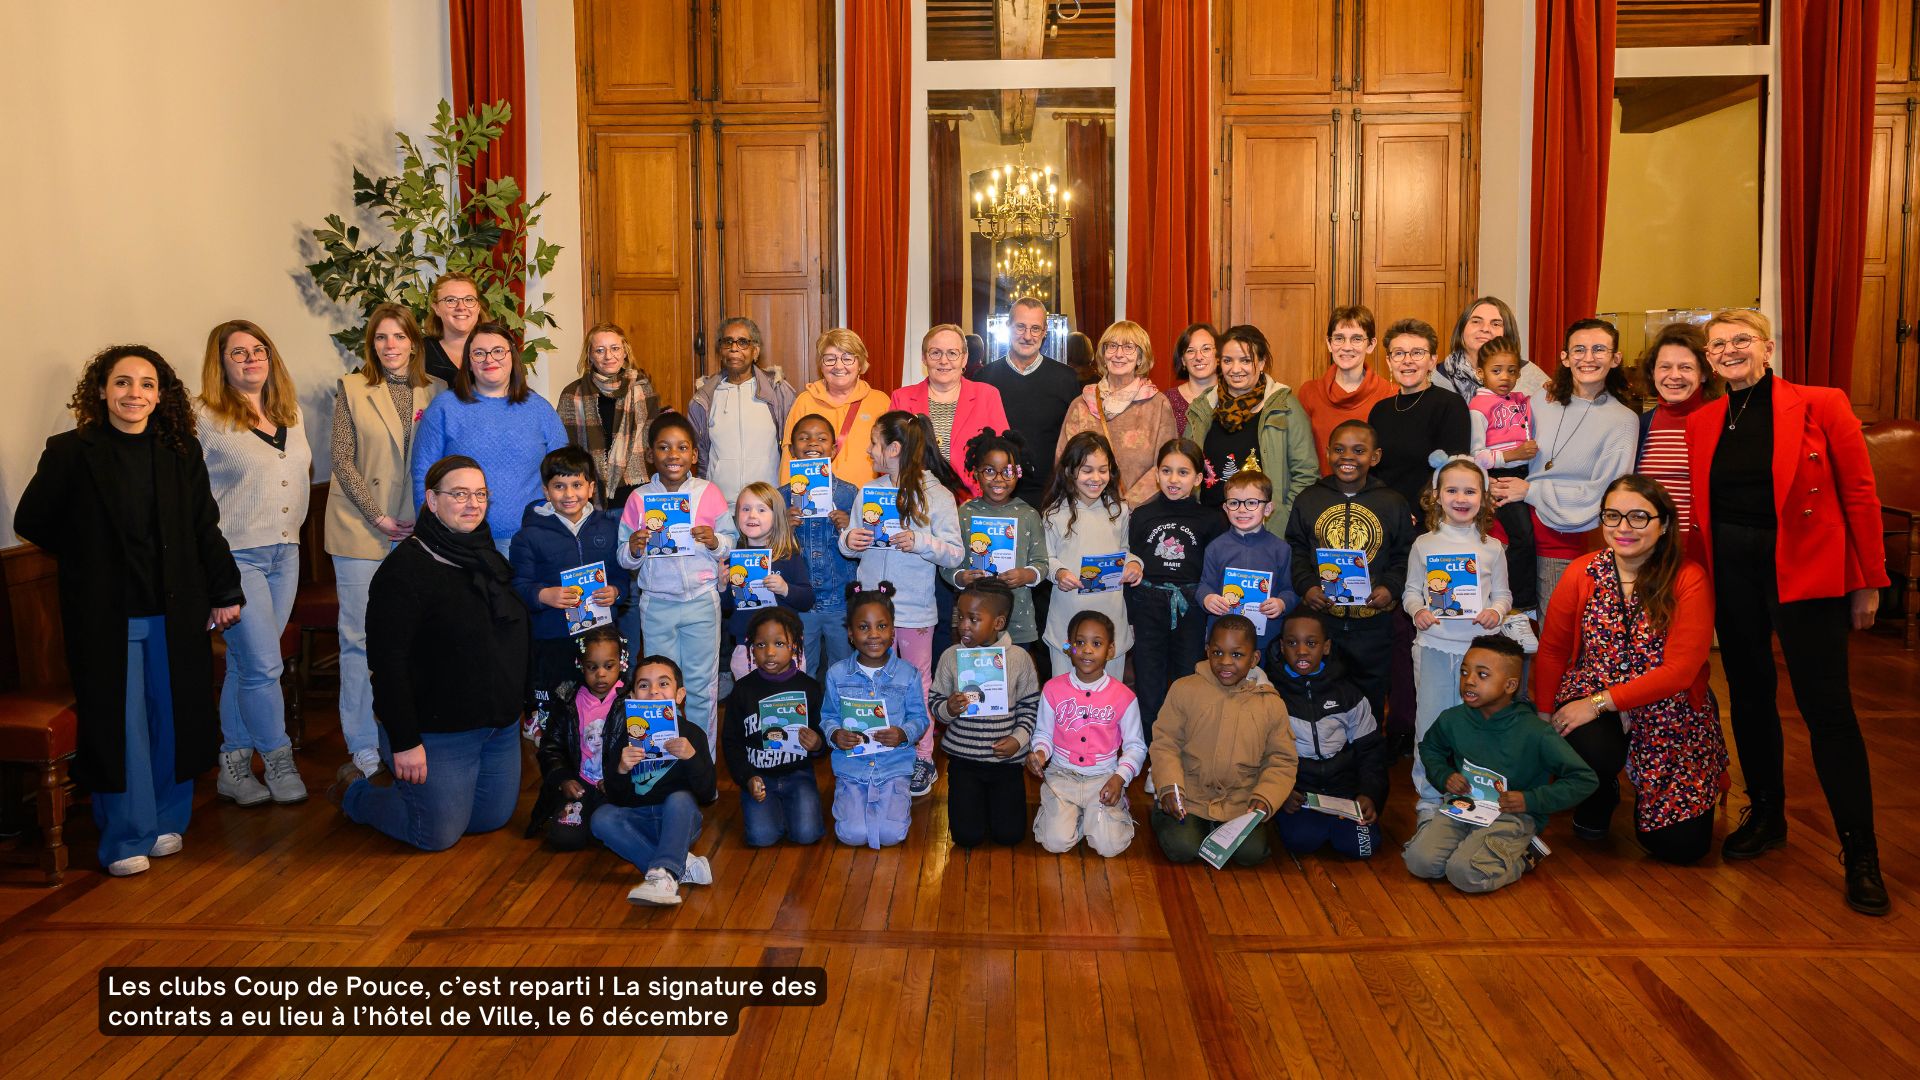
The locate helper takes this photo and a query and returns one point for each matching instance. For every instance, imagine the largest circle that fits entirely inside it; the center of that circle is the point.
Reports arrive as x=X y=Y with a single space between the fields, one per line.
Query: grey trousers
x=1477 y=859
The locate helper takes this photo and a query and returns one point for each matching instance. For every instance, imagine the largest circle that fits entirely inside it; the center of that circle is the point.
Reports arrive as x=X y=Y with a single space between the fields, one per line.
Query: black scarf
x=473 y=552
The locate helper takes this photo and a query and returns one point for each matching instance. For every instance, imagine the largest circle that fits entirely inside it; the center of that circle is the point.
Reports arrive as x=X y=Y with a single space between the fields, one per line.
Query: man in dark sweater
x=1036 y=391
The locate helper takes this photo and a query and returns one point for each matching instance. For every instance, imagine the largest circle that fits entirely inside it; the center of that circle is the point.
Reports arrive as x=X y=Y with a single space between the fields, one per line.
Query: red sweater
x=1328 y=406
x=1689 y=639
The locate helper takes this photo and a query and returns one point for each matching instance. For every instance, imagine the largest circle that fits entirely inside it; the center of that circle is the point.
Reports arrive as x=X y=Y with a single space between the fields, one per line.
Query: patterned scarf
x=619 y=455
x=1234 y=413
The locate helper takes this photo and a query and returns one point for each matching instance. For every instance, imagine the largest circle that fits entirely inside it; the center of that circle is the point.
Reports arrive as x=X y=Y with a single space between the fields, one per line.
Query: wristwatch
x=1599 y=700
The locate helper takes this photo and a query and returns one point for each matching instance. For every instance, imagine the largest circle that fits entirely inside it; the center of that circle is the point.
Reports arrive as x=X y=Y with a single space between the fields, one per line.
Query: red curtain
x=879 y=61
x=1572 y=126
x=1090 y=172
x=489 y=64
x=1169 y=182
x=1826 y=153
x=947 y=221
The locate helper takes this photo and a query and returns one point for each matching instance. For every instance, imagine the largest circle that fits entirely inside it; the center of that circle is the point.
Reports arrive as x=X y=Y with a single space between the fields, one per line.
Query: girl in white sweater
x=1085 y=515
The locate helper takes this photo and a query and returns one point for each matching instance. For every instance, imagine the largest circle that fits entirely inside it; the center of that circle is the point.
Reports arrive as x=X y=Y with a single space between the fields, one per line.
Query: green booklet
x=1226 y=839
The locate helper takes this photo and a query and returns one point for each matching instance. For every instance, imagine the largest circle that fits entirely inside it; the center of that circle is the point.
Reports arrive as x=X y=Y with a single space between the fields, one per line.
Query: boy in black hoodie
x=1341 y=751
x=652 y=812
x=1351 y=509
x=766 y=754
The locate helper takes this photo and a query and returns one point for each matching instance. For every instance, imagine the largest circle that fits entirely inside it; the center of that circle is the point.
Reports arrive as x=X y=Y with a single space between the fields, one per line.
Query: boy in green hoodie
x=1536 y=773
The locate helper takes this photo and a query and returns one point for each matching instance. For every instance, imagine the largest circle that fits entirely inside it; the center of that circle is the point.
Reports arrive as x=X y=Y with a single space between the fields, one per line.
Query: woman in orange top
x=1349 y=388
x=1623 y=666
x=845 y=399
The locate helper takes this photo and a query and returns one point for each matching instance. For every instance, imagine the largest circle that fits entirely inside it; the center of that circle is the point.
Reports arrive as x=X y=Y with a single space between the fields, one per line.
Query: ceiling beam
x=1648 y=105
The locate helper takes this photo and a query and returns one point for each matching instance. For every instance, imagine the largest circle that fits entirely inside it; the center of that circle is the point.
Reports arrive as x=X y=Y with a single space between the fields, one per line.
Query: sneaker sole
x=238 y=801
x=291 y=802
x=638 y=901
x=1743 y=856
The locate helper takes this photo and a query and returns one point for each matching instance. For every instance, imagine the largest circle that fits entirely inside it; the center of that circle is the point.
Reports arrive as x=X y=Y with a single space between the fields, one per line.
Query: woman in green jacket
x=1250 y=420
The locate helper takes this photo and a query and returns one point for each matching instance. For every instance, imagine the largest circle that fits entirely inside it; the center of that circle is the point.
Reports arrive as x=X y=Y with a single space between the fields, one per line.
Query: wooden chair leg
x=51 y=802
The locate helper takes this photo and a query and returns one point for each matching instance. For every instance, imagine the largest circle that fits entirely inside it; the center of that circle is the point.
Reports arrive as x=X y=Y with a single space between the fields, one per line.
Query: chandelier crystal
x=1021 y=202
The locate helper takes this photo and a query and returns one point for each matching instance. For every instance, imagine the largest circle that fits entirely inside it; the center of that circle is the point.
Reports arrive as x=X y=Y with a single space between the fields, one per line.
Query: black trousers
x=1813 y=636
x=986 y=801
x=1162 y=650
x=1602 y=745
x=1365 y=648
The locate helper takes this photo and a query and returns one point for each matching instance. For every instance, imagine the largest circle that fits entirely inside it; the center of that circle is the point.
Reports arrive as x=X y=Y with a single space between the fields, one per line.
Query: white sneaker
x=1149 y=782
x=128 y=867
x=1518 y=627
x=699 y=871
x=659 y=890
x=237 y=781
x=166 y=844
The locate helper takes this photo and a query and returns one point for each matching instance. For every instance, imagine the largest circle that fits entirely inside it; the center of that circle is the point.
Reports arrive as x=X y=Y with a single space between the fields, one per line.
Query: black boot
x=1866 y=893
x=1763 y=827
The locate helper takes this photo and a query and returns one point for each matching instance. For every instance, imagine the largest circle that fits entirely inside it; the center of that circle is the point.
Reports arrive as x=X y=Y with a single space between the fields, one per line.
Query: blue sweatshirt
x=546 y=545
x=507 y=440
x=1256 y=550
x=899 y=686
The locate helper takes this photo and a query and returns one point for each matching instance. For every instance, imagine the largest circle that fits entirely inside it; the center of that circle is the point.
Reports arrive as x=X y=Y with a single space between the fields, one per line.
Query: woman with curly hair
x=123 y=505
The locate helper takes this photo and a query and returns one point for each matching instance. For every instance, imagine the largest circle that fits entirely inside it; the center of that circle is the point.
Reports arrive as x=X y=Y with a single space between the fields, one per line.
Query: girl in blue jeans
x=652 y=812
x=874 y=711
x=772 y=735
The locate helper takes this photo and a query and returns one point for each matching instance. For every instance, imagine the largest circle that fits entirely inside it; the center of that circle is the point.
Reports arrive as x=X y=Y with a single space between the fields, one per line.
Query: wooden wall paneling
x=646 y=234
x=1416 y=48
x=1280 y=47
x=639 y=52
x=1895 y=54
x=1411 y=192
x=768 y=52
x=1877 y=353
x=771 y=236
x=1281 y=193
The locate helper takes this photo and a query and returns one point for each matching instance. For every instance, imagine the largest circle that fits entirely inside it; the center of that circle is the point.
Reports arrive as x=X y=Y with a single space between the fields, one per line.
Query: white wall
x=553 y=166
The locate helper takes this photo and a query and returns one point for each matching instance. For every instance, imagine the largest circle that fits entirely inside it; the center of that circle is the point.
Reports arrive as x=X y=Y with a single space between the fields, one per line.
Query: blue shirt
x=1258 y=550
x=898 y=686
x=507 y=441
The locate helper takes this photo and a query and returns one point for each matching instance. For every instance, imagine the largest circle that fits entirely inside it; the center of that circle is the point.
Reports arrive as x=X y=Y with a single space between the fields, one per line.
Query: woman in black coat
x=122 y=505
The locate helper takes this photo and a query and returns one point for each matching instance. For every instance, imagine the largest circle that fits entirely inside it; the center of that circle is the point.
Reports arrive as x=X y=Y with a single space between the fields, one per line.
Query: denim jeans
x=153 y=802
x=824 y=642
x=473 y=780
x=688 y=633
x=791 y=812
x=873 y=815
x=1306 y=831
x=649 y=837
x=350 y=580
x=627 y=621
x=1436 y=674
x=253 y=712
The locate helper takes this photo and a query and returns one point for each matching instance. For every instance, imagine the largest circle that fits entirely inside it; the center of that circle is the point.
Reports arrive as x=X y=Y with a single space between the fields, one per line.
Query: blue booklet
x=650 y=726
x=863 y=717
x=981 y=674
x=747 y=570
x=1453 y=586
x=1101 y=573
x=991 y=544
x=880 y=511
x=810 y=486
x=1246 y=590
x=589 y=579
x=1343 y=575
x=668 y=516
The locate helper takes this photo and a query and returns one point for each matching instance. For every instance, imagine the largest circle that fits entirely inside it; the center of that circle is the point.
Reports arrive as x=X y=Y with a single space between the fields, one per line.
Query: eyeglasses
x=459 y=301
x=736 y=343
x=463 y=496
x=1636 y=519
x=988 y=472
x=609 y=350
x=838 y=360
x=1598 y=352
x=1409 y=354
x=498 y=352
x=238 y=354
x=946 y=354
x=1738 y=341
x=1198 y=350
x=1120 y=348
x=1245 y=504
x=1348 y=339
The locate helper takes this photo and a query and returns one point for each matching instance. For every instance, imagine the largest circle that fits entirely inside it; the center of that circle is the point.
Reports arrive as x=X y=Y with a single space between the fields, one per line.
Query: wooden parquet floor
x=996 y=963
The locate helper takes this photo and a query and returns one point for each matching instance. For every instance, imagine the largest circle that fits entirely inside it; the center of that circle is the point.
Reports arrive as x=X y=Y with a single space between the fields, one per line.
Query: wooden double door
x=708 y=180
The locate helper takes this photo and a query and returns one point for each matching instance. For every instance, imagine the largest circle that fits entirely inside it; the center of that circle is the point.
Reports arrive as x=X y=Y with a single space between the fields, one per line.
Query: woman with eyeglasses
x=739 y=413
x=1587 y=428
x=493 y=417
x=959 y=408
x=1788 y=504
x=370 y=505
x=1126 y=408
x=1675 y=373
x=843 y=397
x=1482 y=320
x=260 y=469
x=1623 y=668
x=447 y=644
x=607 y=409
x=1252 y=420
x=454 y=308
x=1350 y=388
x=1196 y=363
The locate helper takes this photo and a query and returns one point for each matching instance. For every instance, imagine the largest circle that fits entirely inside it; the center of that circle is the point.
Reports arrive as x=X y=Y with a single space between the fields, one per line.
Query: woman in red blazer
x=1784 y=492
x=958 y=407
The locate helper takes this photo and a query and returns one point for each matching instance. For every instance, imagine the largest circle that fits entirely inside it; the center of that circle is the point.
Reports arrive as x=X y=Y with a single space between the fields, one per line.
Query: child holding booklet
x=1087 y=521
x=1453 y=566
x=987 y=727
x=679 y=597
x=1342 y=754
x=1169 y=534
x=1221 y=747
x=874 y=709
x=574 y=739
x=652 y=812
x=1244 y=552
x=1087 y=748
x=560 y=533
x=761 y=519
x=928 y=537
x=819 y=541
x=1533 y=773
x=1503 y=444
x=994 y=462
x=771 y=735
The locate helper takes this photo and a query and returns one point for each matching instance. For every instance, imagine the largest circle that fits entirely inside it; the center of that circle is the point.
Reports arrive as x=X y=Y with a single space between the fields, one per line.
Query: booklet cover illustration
x=880 y=511
x=1344 y=576
x=810 y=486
x=863 y=717
x=668 y=517
x=589 y=579
x=1481 y=804
x=1453 y=586
x=981 y=674
x=990 y=544
x=651 y=724
x=1246 y=590
x=1101 y=573
x=747 y=570
x=782 y=718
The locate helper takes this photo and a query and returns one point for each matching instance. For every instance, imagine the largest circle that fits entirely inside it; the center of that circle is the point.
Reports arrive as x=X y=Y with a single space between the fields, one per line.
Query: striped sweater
x=972 y=737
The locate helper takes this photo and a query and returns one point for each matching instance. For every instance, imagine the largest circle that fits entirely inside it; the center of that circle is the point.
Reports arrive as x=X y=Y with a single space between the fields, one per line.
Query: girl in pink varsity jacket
x=1087 y=747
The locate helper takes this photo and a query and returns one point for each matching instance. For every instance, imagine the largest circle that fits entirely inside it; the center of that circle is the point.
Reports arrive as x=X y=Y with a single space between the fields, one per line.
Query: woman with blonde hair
x=1126 y=408
x=844 y=399
x=454 y=308
x=958 y=407
x=607 y=409
x=259 y=468
x=370 y=504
